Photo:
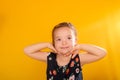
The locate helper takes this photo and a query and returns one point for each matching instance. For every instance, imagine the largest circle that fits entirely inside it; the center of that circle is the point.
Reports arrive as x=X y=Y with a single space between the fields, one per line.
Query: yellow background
x=25 y=22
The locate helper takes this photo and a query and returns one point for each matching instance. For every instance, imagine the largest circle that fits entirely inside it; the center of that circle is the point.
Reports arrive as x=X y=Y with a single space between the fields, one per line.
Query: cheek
x=56 y=44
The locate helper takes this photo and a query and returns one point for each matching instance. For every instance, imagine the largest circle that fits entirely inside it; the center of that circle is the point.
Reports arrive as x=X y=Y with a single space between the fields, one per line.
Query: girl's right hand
x=50 y=46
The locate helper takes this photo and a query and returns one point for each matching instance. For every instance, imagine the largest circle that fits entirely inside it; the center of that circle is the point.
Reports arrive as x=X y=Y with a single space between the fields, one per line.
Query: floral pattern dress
x=71 y=71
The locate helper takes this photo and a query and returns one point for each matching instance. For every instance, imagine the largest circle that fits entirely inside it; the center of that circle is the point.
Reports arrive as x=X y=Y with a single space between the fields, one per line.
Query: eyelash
x=58 y=39
x=67 y=38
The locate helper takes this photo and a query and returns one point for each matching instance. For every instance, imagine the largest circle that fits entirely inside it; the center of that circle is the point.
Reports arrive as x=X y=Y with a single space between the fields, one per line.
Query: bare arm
x=93 y=53
x=34 y=51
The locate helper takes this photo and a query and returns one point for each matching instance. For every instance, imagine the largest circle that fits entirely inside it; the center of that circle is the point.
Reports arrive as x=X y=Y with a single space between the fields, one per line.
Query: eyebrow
x=59 y=36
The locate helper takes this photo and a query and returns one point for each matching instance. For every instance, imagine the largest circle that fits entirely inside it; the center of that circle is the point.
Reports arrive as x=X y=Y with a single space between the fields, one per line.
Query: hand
x=75 y=51
x=50 y=46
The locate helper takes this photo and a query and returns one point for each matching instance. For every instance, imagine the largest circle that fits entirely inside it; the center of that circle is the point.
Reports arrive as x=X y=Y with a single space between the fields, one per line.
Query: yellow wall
x=25 y=22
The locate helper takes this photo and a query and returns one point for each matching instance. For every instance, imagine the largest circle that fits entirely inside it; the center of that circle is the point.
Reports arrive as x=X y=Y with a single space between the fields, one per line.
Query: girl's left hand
x=75 y=51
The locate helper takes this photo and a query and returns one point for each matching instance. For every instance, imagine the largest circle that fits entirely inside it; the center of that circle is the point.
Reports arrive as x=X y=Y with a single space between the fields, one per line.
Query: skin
x=64 y=40
x=65 y=46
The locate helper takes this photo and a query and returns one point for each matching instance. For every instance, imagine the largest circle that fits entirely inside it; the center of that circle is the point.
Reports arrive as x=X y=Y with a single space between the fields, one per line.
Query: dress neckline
x=63 y=65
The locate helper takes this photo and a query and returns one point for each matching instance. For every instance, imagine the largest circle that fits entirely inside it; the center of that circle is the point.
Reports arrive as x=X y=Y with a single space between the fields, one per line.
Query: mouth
x=64 y=47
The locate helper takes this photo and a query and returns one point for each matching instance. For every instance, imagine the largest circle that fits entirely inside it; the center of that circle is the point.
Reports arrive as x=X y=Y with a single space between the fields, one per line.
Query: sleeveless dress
x=71 y=71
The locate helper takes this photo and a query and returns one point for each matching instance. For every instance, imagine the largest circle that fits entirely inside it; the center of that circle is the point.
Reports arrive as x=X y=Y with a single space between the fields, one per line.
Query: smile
x=64 y=47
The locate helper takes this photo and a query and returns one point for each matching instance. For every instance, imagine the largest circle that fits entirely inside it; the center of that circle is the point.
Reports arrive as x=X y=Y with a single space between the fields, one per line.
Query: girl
x=65 y=62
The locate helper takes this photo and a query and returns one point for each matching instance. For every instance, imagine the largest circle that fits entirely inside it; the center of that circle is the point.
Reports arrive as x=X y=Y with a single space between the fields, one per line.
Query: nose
x=64 y=42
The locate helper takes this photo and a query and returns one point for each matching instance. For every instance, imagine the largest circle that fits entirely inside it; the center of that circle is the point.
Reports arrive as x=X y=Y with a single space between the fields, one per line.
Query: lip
x=64 y=47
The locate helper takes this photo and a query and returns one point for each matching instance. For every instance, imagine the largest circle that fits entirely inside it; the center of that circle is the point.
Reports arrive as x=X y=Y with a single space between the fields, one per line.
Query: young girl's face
x=64 y=40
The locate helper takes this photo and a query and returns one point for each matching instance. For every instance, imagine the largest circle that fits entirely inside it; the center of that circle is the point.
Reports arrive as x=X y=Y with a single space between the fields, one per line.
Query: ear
x=75 y=40
x=75 y=43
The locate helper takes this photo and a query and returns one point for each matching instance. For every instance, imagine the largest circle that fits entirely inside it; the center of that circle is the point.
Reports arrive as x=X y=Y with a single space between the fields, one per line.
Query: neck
x=62 y=59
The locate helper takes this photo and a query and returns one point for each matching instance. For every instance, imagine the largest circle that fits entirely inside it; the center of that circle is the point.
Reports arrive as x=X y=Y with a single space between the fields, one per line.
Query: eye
x=69 y=37
x=58 y=39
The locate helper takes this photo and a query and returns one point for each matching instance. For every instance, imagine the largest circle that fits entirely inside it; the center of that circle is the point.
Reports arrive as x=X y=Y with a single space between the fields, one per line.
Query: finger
x=75 y=53
x=73 y=50
x=54 y=50
x=69 y=53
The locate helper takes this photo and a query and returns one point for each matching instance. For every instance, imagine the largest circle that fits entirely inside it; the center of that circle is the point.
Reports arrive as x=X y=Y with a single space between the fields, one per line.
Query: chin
x=63 y=53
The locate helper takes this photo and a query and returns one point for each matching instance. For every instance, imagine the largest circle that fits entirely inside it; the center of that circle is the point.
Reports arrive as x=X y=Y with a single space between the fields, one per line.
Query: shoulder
x=51 y=55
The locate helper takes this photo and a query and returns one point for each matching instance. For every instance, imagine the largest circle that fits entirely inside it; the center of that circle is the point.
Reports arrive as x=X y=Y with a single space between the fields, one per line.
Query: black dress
x=71 y=71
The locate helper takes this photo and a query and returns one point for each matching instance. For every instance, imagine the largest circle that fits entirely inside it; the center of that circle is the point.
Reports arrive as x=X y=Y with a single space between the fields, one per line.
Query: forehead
x=63 y=31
